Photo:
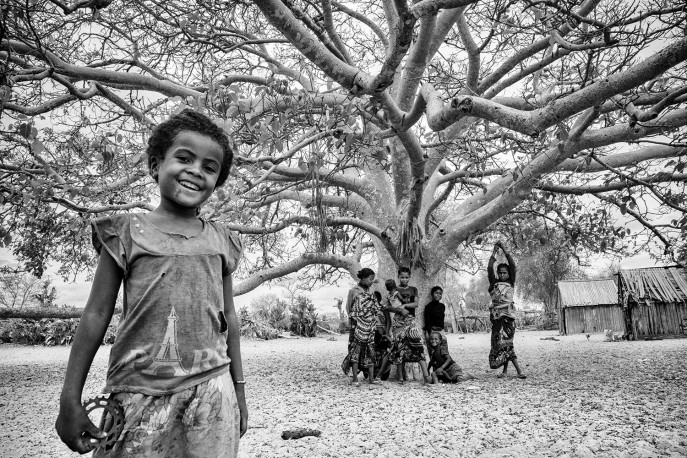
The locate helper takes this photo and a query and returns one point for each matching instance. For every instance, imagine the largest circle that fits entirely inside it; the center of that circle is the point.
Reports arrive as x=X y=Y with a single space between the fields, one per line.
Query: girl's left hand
x=243 y=410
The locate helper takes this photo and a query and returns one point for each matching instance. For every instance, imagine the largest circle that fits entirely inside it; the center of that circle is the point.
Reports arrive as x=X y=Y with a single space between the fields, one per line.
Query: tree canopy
x=375 y=131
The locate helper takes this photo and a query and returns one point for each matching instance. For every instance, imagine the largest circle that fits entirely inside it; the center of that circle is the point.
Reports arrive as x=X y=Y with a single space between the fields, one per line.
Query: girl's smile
x=189 y=170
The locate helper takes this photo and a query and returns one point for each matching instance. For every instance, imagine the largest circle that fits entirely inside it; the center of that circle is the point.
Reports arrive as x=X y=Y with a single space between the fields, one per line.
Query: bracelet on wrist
x=239 y=382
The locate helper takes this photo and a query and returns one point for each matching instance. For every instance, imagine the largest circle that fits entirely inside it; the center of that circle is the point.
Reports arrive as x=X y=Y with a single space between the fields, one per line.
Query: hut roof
x=655 y=284
x=580 y=293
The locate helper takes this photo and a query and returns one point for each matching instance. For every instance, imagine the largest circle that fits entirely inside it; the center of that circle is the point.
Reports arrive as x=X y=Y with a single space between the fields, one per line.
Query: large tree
x=371 y=130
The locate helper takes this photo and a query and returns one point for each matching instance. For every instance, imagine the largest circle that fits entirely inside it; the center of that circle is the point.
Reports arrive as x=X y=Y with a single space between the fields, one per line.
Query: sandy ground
x=581 y=398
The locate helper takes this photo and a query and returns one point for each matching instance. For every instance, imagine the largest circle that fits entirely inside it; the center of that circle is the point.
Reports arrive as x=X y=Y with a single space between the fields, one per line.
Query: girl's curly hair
x=190 y=121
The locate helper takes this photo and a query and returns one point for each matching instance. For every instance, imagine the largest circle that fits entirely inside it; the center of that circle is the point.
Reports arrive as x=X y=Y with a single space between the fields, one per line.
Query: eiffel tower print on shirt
x=167 y=362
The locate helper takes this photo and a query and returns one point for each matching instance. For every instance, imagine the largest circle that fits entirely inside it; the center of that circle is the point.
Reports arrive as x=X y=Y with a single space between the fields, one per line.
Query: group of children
x=384 y=332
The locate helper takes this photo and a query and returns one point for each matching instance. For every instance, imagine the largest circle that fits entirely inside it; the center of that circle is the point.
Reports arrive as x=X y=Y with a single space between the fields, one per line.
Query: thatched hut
x=654 y=300
x=589 y=306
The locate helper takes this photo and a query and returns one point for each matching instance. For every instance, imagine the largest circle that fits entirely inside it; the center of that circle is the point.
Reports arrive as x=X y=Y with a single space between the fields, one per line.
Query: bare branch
x=292 y=266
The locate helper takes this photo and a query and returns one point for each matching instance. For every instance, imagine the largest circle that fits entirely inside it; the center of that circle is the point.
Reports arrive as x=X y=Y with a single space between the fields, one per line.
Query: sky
x=76 y=293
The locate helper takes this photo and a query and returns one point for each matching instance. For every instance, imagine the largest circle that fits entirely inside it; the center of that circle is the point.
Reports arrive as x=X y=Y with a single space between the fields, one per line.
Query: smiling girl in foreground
x=176 y=364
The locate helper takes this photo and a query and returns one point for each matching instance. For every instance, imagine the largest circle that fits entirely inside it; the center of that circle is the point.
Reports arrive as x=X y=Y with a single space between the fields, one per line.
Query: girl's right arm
x=73 y=425
x=490 y=267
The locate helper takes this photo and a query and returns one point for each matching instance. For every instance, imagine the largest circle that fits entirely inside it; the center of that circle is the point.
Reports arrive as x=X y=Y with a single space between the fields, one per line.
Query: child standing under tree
x=435 y=314
x=407 y=343
x=502 y=314
x=175 y=367
x=363 y=312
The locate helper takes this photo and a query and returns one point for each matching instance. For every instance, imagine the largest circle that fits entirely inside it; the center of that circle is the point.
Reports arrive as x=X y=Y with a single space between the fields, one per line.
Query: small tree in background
x=271 y=310
x=47 y=295
x=303 y=317
x=20 y=289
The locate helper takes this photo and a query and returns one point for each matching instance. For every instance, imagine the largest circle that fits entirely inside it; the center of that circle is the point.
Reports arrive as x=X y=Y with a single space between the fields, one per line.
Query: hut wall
x=594 y=318
x=660 y=318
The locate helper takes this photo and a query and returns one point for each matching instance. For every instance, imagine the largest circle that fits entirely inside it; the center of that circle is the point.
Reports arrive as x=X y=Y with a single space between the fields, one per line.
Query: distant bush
x=35 y=313
x=253 y=328
x=271 y=311
x=47 y=331
x=303 y=317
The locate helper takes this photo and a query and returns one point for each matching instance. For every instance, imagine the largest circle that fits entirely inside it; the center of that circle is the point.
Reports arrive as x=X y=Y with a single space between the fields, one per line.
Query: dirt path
x=582 y=398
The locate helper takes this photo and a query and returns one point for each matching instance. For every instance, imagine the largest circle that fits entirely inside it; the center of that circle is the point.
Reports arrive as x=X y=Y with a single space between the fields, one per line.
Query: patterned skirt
x=502 y=333
x=407 y=347
x=199 y=421
x=362 y=353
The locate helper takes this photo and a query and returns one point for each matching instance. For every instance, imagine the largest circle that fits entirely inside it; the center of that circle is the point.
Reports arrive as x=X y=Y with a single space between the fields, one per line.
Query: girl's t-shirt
x=435 y=314
x=172 y=333
x=502 y=300
x=438 y=356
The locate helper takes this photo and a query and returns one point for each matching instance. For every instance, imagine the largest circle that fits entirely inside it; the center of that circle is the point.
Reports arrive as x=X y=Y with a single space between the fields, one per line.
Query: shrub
x=33 y=313
x=254 y=329
x=271 y=311
x=303 y=317
x=47 y=331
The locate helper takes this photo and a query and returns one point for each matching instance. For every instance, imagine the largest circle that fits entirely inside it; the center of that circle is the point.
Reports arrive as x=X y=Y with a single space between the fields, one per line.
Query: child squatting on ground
x=176 y=364
x=444 y=369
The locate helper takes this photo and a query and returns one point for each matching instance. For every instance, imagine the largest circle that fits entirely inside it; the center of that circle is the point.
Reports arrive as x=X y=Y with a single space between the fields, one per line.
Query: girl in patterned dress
x=363 y=315
x=407 y=338
x=175 y=367
x=502 y=313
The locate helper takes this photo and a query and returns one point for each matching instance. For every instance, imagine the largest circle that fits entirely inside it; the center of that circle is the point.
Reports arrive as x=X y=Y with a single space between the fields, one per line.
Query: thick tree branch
x=473 y=54
x=107 y=77
x=582 y=165
x=601 y=188
x=307 y=259
x=439 y=117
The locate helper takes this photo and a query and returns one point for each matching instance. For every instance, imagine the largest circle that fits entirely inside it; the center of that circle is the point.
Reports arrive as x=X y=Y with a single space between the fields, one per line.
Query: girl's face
x=434 y=340
x=367 y=281
x=189 y=170
x=503 y=273
x=403 y=279
x=438 y=294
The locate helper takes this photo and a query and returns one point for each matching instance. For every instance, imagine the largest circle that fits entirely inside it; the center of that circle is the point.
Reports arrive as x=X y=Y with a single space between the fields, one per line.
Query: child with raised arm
x=502 y=316
x=444 y=368
x=175 y=366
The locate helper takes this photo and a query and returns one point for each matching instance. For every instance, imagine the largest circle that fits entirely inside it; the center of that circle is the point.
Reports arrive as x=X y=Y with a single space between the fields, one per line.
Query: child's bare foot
x=355 y=382
x=501 y=375
x=521 y=375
